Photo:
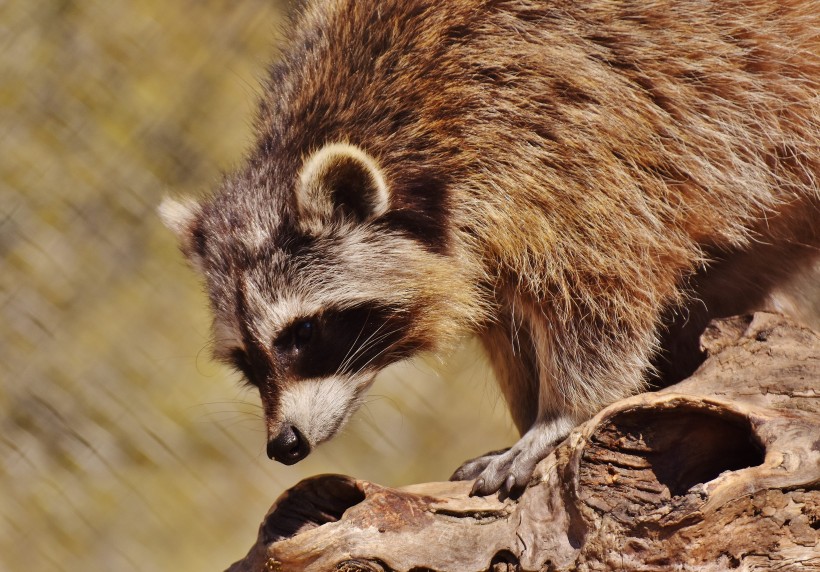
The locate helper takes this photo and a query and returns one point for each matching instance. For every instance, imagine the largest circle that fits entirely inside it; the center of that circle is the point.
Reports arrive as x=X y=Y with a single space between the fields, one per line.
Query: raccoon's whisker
x=354 y=352
x=233 y=402
x=367 y=344
x=362 y=349
x=384 y=351
x=353 y=345
x=370 y=342
x=245 y=421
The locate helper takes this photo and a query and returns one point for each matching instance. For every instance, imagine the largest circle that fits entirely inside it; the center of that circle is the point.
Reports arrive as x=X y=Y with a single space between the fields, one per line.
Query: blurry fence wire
x=122 y=447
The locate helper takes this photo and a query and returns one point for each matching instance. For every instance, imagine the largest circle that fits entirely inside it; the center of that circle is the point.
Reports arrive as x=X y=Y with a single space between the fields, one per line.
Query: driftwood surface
x=719 y=472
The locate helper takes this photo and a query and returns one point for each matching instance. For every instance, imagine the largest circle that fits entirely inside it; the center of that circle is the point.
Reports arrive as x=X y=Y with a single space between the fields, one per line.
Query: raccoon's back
x=554 y=138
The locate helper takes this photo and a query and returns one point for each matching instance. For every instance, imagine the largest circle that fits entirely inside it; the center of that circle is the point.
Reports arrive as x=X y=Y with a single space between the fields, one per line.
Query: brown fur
x=580 y=177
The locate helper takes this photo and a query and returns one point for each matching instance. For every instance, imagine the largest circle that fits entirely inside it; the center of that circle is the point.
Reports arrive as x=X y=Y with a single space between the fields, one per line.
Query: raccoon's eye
x=303 y=333
x=297 y=336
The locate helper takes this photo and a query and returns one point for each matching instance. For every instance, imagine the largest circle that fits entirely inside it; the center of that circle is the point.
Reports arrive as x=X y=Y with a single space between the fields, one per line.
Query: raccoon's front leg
x=512 y=357
x=512 y=346
x=553 y=378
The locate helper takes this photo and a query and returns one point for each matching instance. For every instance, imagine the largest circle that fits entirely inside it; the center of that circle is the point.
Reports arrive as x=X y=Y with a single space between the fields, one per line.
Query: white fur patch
x=320 y=407
x=178 y=215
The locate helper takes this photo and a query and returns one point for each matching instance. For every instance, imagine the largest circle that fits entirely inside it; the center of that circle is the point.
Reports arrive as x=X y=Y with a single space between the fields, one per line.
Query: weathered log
x=719 y=472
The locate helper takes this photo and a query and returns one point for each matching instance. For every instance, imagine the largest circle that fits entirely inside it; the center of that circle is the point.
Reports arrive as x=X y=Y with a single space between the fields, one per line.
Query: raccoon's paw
x=471 y=468
x=510 y=471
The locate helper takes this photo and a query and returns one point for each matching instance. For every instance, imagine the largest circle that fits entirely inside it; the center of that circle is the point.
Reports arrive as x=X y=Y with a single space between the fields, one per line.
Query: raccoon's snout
x=289 y=447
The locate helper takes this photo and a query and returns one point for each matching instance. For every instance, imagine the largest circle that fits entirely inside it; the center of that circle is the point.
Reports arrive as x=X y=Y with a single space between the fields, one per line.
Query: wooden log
x=719 y=472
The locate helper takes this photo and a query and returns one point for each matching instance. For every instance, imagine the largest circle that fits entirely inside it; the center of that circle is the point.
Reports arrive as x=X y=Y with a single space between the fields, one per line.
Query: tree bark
x=719 y=472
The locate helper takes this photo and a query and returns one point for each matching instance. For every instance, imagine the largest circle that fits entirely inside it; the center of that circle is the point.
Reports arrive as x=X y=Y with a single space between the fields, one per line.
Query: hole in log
x=692 y=447
x=311 y=503
x=695 y=446
x=677 y=448
x=504 y=561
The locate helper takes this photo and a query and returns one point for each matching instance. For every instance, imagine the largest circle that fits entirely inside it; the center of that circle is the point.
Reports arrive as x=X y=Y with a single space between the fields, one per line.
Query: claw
x=477 y=486
x=509 y=483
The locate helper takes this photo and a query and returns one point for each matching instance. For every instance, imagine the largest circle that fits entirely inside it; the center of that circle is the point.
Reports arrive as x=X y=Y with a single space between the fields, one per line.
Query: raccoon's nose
x=289 y=447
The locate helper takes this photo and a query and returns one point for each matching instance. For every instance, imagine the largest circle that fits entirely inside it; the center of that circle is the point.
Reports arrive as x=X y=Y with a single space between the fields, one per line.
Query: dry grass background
x=122 y=447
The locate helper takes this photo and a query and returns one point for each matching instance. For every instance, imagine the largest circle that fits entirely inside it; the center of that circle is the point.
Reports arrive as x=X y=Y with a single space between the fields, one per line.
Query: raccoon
x=582 y=185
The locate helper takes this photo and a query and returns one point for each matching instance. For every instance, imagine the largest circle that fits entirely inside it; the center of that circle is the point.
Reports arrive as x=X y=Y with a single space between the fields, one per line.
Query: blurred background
x=122 y=446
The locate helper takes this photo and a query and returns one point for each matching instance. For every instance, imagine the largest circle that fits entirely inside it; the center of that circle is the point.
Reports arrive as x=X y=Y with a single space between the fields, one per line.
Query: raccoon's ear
x=342 y=179
x=181 y=217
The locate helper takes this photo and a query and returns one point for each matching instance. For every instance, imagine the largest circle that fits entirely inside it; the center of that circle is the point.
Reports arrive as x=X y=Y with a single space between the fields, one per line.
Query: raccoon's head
x=314 y=290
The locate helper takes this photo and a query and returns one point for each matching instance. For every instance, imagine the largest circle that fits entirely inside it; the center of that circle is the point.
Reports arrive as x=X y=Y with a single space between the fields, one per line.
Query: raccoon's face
x=313 y=296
